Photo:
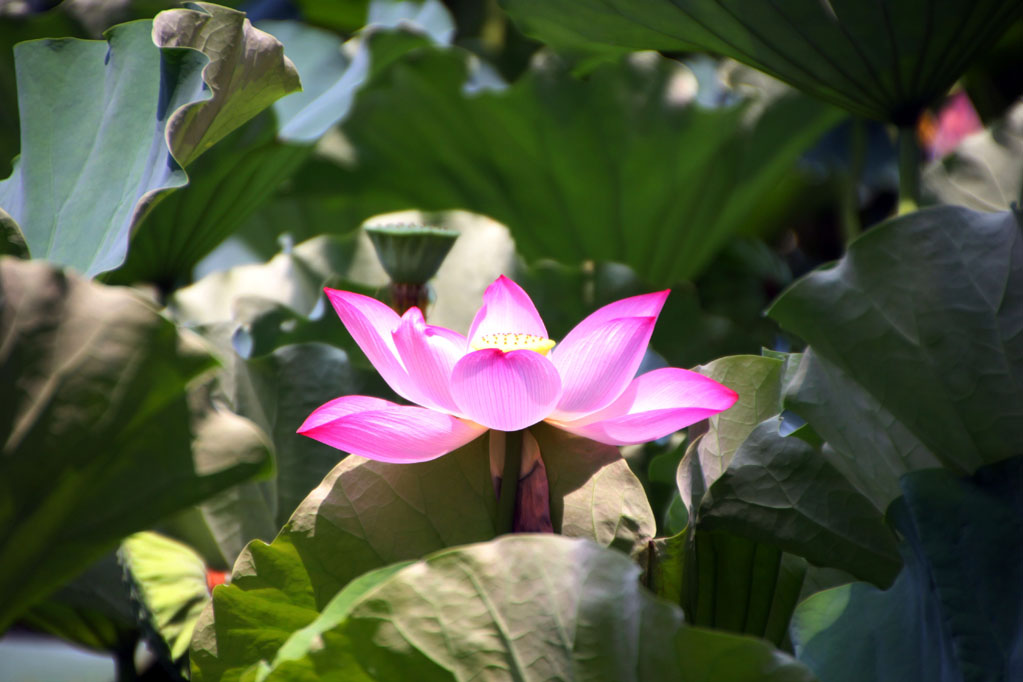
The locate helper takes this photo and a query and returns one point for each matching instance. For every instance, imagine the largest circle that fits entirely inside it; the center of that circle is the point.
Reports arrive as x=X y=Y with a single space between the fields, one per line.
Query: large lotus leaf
x=364 y=515
x=226 y=185
x=234 y=179
x=953 y=614
x=367 y=514
x=88 y=173
x=100 y=438
x=721 y=578
x=83 y=170
x=985 y=172
x=522 y=608
x=865 y=441
x=618 y=167
x=885 y=60
x=16 y=28
x=924 y=314
x=783 y=491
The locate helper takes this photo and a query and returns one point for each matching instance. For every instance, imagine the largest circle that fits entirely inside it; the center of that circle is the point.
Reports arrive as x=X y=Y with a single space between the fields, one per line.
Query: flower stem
x=509 y=482
x=851 y=226
x=404 y=296
x=909 y=170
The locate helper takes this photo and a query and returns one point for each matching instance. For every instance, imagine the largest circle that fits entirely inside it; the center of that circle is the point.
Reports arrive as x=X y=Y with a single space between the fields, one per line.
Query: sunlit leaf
x=169 y=580
x=523 y=607
x=367 y=514
x=88 y=174
x=246 y=73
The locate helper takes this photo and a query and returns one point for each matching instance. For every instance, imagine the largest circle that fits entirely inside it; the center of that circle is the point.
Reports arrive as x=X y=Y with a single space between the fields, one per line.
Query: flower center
x=508 y=342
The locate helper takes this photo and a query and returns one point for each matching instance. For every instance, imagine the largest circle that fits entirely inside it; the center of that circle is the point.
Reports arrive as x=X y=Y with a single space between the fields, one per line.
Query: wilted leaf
x=885 y=60
x=99 y=438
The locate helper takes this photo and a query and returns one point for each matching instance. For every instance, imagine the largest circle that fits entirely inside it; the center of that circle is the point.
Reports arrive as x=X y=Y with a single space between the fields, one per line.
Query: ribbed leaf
x=617 y=167
x=922 y=322
x=523 y=608
x=886 y=59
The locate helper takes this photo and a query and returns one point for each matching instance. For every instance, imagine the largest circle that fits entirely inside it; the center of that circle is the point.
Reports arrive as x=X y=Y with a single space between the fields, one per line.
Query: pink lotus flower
x=508 y=375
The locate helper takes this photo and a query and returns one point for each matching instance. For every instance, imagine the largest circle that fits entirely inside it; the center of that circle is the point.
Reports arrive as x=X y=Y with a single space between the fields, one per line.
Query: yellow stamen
x=507 y=342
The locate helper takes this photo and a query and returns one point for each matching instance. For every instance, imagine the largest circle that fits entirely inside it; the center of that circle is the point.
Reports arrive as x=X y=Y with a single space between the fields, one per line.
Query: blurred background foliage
x=570 y=154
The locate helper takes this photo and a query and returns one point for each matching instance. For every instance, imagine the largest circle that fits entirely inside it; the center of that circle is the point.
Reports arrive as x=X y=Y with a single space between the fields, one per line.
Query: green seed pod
x=411 y=254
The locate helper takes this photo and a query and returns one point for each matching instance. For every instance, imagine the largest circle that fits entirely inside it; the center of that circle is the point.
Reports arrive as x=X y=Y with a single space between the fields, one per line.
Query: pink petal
x=505 y=391
x=430 y=353
x=371 y=323
x=597 y=364
x=644 y=305
x=380 y=430
x=654 y=405
x=507 y=309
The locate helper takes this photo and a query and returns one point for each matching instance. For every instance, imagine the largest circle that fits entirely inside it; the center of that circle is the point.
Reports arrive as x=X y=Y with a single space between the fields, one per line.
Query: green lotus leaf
x=521 y=607
x=246 y=73
x=951 y=614
x=917 y=331
x=88 y=174
x=366 y=514
x=886 y=60
x=169 y=584
x=100 y=434
x=234 y=179
x=620 y=166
